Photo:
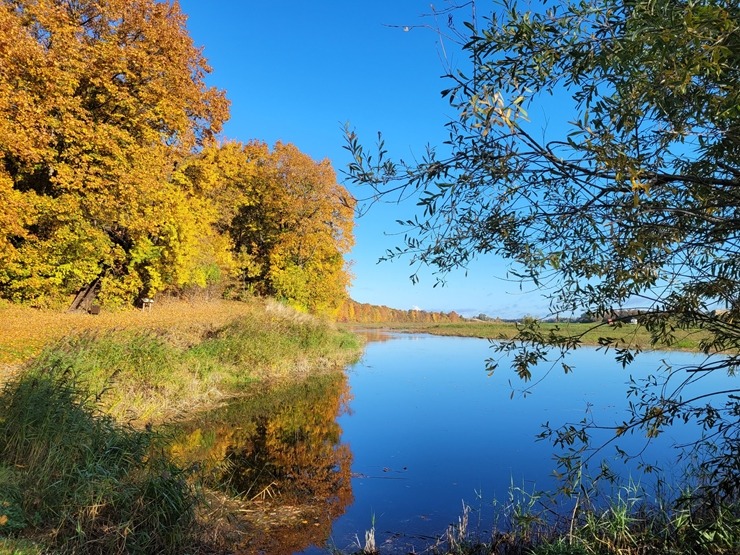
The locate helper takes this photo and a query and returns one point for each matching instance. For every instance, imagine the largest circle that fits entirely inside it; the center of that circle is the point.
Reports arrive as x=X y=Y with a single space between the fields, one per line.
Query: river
x=409 y=435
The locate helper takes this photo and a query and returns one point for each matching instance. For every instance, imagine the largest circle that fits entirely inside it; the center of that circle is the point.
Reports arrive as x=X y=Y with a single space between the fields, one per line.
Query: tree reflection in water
x=273 y=468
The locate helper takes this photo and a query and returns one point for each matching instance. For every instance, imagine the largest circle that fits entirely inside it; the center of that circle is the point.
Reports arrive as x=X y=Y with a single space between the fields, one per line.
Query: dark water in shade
x=413 y=431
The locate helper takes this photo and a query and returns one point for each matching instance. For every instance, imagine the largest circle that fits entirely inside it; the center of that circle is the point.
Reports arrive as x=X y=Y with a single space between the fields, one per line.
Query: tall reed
x=83 y=481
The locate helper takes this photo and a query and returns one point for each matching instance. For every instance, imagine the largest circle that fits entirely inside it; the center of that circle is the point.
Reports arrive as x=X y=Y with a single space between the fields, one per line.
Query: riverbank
x=85 y=466
x=25 y=331
x=108 y=382
x=634 y=335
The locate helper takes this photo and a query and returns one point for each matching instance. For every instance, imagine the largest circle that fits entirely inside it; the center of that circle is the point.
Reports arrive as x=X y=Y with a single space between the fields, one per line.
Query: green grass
x=623 y=521
x=25 y=331
x=14 y=546
x=143 y=376
x=82 y=481
x=588 y=333
x=274 y=343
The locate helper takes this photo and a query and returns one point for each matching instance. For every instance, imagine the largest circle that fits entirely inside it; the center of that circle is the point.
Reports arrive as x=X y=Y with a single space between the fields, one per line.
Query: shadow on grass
x=81 y=481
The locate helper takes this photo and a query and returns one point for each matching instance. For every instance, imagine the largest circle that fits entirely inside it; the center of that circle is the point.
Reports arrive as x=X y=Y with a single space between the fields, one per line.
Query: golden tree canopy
x=289 y=221
x=98 y=102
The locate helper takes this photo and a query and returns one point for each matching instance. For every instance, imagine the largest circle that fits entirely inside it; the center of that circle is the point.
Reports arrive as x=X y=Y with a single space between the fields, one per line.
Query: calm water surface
x=409 y=434
x=429 y=430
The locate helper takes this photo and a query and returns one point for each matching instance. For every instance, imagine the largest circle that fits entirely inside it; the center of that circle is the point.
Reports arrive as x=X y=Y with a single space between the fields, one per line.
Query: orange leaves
x=102 y=105
x=95 y=72
x=98 y=102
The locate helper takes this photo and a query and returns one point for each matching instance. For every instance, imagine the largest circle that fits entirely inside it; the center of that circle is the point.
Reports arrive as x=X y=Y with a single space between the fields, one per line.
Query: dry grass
x=178 y=358
x=24 y=331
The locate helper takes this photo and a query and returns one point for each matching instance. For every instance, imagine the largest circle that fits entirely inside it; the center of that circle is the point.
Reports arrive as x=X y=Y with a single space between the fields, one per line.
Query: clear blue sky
x=296 y=71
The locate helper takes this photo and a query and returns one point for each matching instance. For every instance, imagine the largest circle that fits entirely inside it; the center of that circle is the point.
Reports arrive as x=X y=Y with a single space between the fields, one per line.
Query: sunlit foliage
x=98 y=101
x=365 y=313
x=288 y=222
x=109 y=169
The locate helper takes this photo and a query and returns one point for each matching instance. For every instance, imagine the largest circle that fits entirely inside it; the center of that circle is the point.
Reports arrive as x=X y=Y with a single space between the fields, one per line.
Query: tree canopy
x=104 y=109
x=287 y=221
x=625 y=194
x=98 y=101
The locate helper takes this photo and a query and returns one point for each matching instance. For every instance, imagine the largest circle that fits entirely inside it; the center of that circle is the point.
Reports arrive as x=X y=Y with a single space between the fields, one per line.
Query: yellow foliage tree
x=98 y=103
x=294 y=238
x=288 y=220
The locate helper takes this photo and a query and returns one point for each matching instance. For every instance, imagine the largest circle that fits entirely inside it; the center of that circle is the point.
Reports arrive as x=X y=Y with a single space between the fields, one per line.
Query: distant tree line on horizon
x=111 y=173
x=364 y=313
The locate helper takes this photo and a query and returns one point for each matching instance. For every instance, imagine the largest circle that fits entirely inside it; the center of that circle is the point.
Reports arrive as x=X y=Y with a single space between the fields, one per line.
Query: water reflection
x=374 y=334
x=276 y=463
x=429 y=430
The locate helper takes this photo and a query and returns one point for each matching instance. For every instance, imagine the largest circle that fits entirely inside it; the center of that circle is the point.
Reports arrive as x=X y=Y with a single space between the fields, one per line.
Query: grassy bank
x=588 y=333
x=150 y=375
x=181 y=356
x=77 y=481
x=24 y=331
x=629 y=522
x=83 y=468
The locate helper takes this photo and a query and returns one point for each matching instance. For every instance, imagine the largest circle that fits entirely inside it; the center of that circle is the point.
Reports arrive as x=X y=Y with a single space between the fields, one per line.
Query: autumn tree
x=624 y=190
x=98 y=103
x=352 y=311
x=314 y=216
x=287 y=220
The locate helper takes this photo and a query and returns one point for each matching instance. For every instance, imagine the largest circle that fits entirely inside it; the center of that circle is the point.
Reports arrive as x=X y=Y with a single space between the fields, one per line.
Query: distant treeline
x=364 y=313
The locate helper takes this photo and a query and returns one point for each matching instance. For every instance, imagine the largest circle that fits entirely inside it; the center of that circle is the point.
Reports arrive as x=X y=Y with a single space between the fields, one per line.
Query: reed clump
x=627 y=522
x=83 y=482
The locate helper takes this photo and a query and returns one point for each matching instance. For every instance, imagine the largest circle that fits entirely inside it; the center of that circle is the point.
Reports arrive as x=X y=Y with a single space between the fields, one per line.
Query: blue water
x=429 y=430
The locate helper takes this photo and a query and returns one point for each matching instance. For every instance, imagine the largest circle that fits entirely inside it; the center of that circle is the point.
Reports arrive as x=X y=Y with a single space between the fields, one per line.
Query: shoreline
x=634 y=336
x=181 y=357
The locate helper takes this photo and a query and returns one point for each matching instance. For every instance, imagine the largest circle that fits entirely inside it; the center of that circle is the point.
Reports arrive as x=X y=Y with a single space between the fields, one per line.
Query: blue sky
x=297 y=71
